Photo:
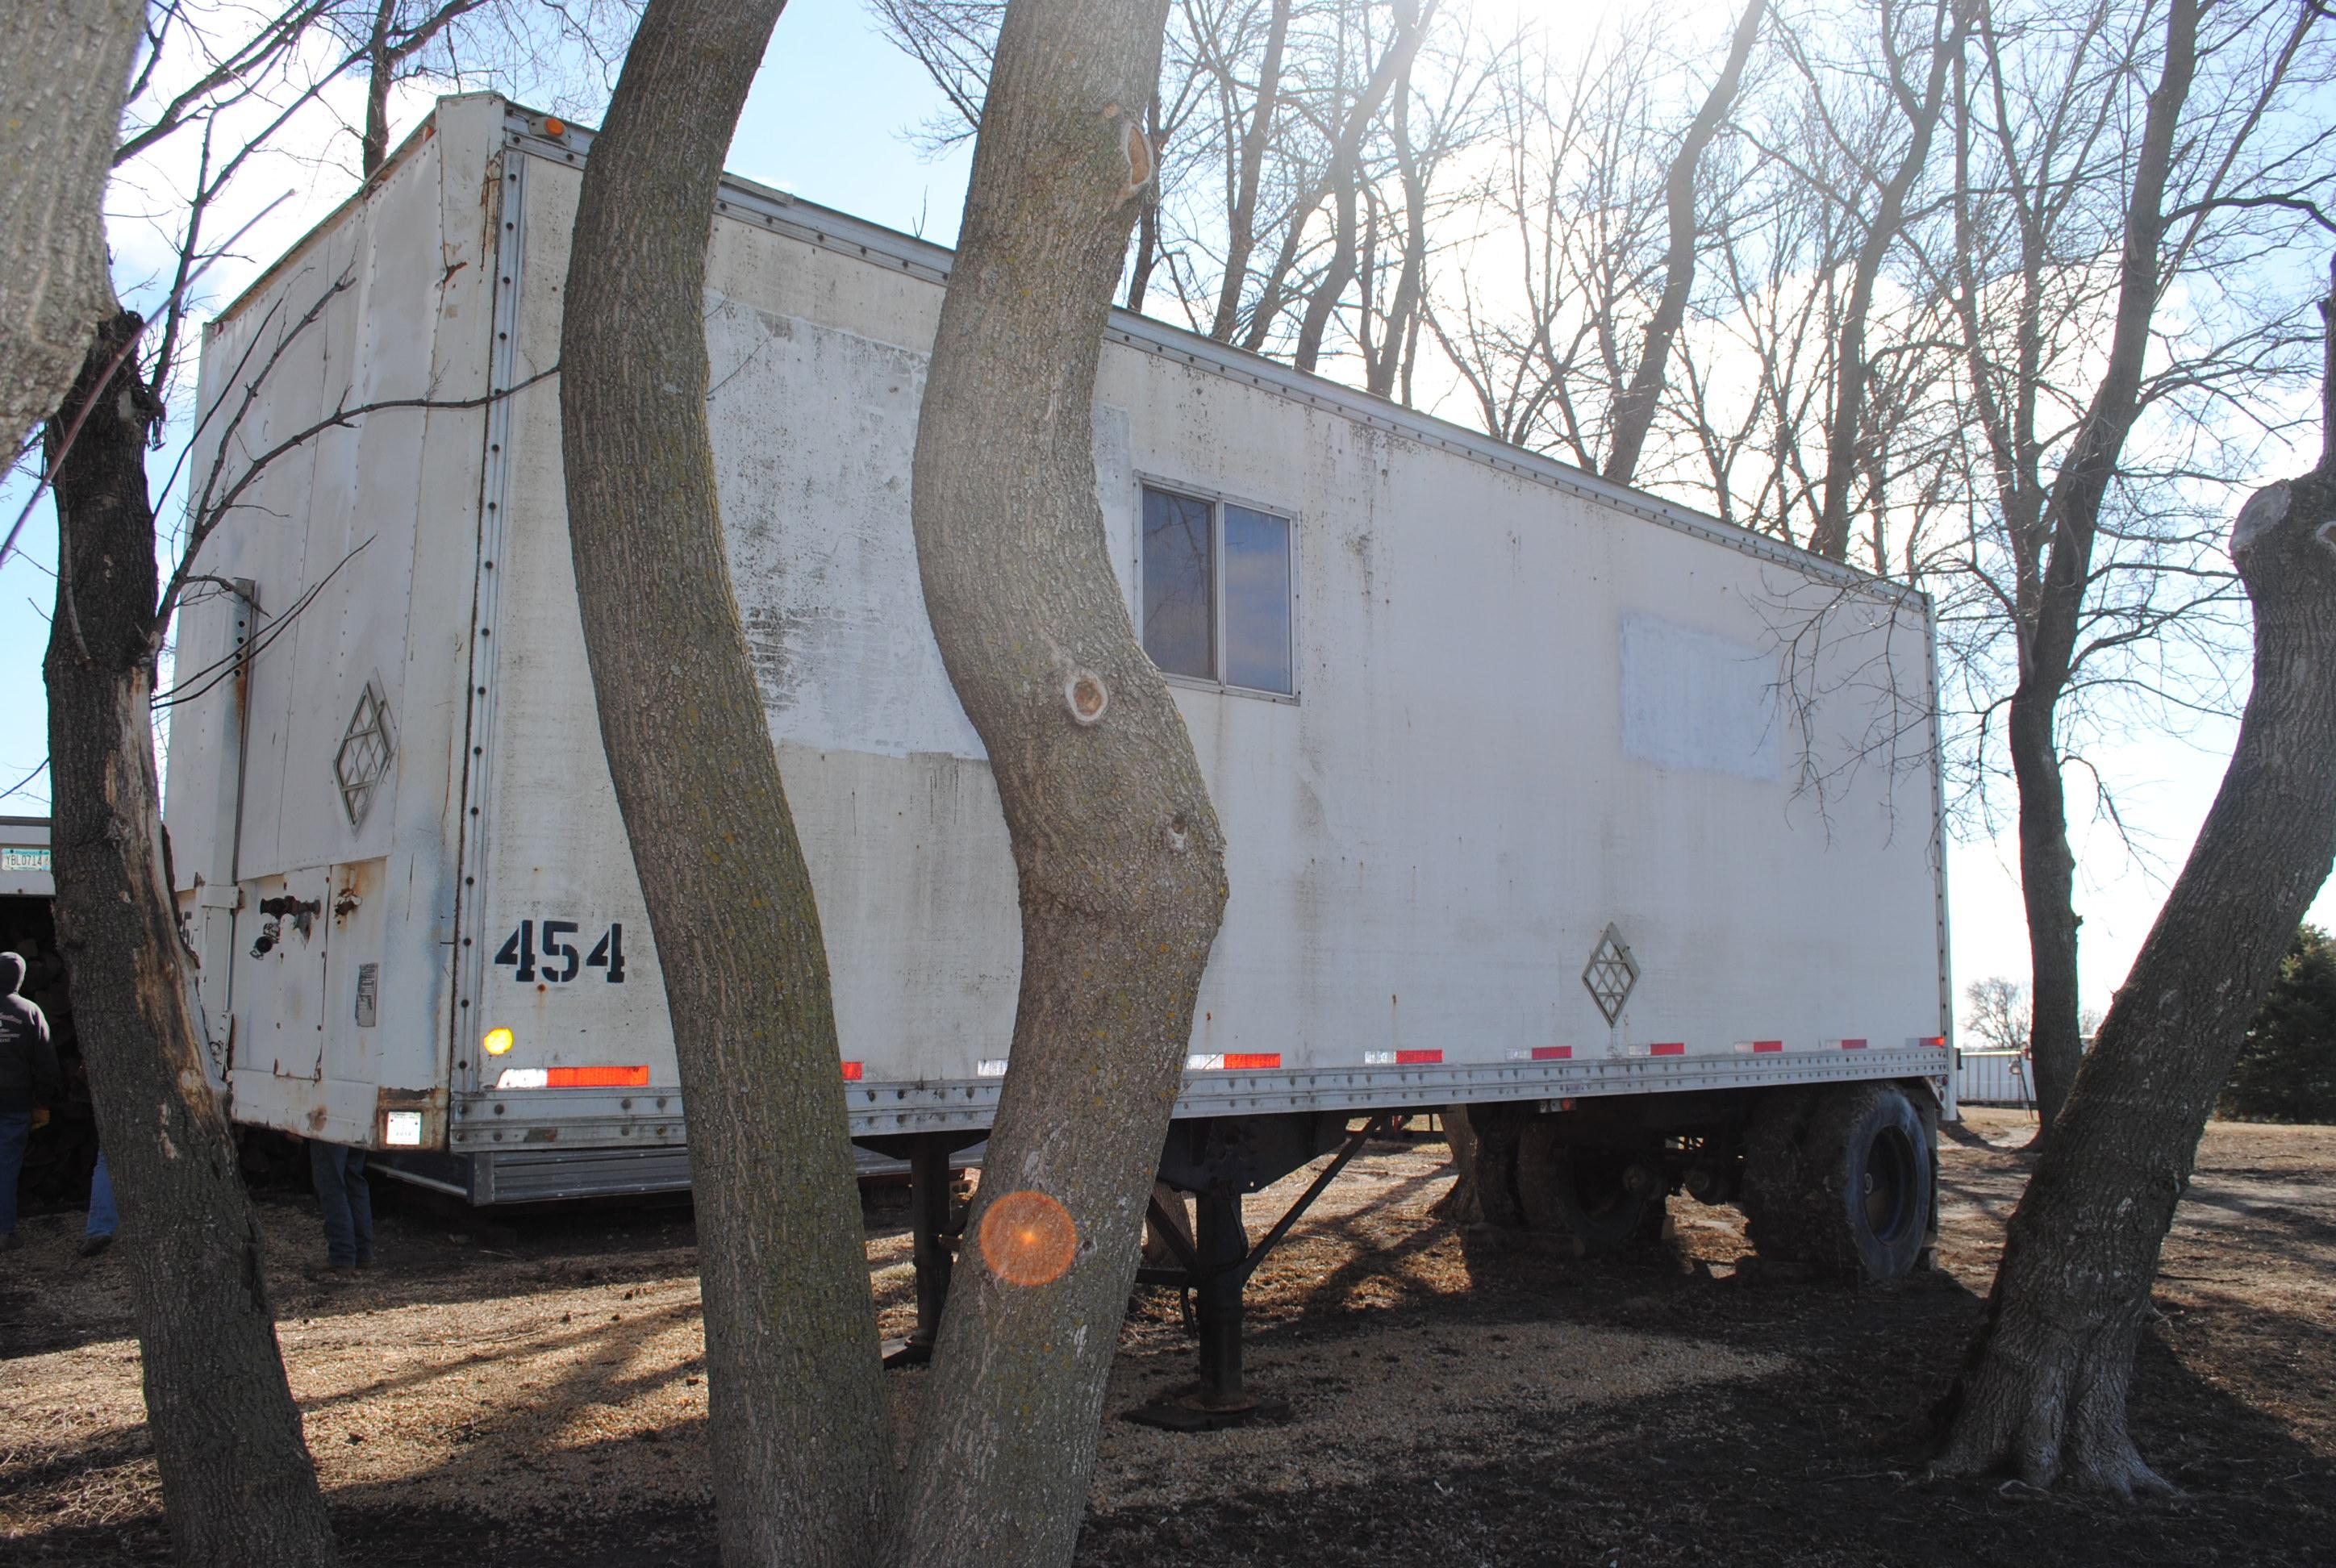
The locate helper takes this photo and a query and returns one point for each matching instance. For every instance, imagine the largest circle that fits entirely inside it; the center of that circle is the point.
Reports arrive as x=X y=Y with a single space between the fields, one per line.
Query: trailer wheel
x=1842 y=1183
x=1584 y=1192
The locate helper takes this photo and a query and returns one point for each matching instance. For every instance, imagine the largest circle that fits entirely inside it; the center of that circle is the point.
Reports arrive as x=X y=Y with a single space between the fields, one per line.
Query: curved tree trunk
x=237 y=1486
x=801 y=1447
x=2044 y=1391
x=62 y=79
x=2071 y=517
x=1634 y=411
x=1115 y=845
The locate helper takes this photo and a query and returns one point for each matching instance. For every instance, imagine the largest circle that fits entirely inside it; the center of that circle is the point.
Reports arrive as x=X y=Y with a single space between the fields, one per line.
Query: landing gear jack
x=1215 y=1266
x=934 y=1227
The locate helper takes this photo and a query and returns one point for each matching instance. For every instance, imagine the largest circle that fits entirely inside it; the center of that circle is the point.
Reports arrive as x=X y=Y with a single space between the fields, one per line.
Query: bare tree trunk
x=801 y=1445
x=1338 y=176
x=1634 y=411
x=2044 y=1389
x=1334 y=277
x=1147 y=222
x=380 y=76
x=62 y=79
x=1846 y=429
x=2072 y=514
x=1116 y=847
x=237 y=1486
x=1346 y=172
x=1242 y=239
x=1411 y=278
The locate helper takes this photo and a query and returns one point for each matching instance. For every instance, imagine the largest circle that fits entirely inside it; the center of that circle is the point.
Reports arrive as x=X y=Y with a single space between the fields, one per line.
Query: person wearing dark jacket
x=28 y=1079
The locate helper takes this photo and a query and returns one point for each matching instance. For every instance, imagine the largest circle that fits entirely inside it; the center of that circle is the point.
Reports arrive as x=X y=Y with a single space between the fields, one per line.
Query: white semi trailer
x=1543 y=796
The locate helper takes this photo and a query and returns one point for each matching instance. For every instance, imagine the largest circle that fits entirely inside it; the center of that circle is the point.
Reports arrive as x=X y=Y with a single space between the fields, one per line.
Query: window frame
x=1217 y=501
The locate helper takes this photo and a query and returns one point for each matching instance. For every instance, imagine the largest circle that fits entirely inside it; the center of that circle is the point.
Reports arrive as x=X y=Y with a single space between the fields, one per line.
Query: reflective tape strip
x=1542 y=1053
x=630 y=1077
x=1204 y=1064
x=1848 y=1045
x=991 y=1067
x=627 y=1078
x=851 y=1072
x=1251 y=1061
x=1417 y=1058
x=1758 y=1047
x=1667 y=1048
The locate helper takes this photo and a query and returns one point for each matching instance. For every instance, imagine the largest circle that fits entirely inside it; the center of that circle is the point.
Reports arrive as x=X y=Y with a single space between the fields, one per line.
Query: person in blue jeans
x=97 y=1234
x=338 y=1175
x=29 y=1079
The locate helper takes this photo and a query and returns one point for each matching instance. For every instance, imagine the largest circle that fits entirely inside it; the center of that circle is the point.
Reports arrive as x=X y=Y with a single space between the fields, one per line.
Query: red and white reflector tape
x=1667 y=1048
x=1542 y=1054
x=1758 y=1047
x=1234 y=1062
x=853 y=1072
x=1845 y=1044
x=989 y=1068
x=1402 y=1058
x=626 y=1078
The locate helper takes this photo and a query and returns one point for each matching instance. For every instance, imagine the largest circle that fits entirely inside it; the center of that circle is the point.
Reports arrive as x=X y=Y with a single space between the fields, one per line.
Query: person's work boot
x=90 y=1246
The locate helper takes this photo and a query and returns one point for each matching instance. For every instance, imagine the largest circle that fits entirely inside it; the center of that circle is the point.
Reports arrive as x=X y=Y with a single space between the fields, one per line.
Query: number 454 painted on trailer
x=560 y=963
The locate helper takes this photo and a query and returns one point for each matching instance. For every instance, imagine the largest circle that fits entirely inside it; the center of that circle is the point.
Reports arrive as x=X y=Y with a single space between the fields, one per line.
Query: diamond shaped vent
x=363 y=761
x=1611 y=973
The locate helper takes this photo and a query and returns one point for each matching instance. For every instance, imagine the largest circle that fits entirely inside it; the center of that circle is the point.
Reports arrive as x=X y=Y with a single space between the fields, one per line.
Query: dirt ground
x=536 y=1396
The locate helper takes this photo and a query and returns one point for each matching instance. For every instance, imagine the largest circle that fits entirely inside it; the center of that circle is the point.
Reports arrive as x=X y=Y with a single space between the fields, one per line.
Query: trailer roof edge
x=842 y=232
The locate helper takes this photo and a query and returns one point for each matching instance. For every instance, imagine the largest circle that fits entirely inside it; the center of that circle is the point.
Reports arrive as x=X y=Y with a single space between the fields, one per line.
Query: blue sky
x=831 y=119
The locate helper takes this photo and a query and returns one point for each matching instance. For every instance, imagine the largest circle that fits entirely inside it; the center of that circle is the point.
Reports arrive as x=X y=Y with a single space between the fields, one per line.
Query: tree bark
x=1846 y=428
x=2044 y=1388
x=2072 y=514
x=238 y=1484
x=62 y=80
x=1116 y=847
x=801 y=1445
x=1634 y=411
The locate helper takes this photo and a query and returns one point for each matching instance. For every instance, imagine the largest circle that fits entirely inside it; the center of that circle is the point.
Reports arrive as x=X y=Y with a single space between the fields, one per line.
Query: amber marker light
x=553 y=126
x=498 y=1041
x=1028 y=1239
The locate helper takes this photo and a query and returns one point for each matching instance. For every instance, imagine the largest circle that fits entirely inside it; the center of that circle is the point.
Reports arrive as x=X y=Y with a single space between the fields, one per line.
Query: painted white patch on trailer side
x=822 y=558
x=1693 y=700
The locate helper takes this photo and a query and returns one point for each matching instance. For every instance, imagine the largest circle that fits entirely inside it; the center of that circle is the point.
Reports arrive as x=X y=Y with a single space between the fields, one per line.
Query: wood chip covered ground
x=536 y=1394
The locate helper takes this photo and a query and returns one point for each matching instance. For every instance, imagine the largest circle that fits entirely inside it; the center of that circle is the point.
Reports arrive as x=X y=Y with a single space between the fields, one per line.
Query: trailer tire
x=1841 y=1183
x=1580 y=1192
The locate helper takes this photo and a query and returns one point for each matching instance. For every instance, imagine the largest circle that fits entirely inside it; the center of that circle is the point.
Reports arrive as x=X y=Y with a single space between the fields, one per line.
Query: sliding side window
x=1217 y=592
